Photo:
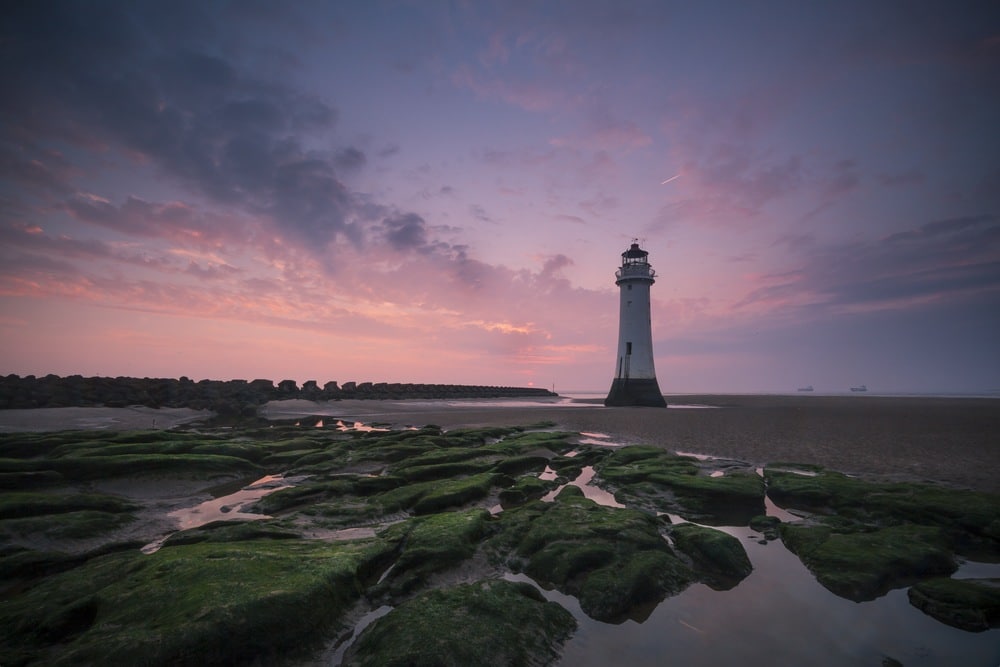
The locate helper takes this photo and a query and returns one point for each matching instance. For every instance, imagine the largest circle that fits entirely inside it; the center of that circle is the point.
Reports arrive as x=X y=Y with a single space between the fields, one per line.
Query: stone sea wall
x=223 y=397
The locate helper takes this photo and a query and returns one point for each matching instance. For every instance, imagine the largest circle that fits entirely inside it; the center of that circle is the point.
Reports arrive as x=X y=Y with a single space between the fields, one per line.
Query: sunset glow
x=440 y=192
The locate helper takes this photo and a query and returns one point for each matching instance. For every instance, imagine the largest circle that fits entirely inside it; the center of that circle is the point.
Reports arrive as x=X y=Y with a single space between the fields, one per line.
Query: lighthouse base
x=635 y=391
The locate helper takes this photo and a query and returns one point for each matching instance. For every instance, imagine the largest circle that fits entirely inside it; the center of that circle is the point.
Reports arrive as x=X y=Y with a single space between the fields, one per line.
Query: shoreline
x=955 y=441
x=950 y=440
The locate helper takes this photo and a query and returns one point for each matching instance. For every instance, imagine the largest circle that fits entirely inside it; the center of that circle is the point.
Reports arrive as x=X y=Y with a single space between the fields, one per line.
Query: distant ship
x=809 y=388
x=861 y=388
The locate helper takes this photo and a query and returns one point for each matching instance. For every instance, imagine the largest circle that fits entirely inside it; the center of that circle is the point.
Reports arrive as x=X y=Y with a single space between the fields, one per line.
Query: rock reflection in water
x=779 y=614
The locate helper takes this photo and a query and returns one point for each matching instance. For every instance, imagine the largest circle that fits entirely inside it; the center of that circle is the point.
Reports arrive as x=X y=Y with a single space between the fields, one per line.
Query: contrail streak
x=672 y=178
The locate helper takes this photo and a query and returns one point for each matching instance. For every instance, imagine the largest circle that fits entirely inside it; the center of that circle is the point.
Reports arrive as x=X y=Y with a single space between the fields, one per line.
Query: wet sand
x=955 y=441
x=135 y=417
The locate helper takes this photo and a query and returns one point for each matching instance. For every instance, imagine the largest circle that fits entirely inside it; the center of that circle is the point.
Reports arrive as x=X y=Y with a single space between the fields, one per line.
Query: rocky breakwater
x=225 y=397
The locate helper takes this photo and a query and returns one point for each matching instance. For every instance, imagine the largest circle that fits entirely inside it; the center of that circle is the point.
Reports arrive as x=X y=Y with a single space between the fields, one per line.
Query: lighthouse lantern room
x=635 y=378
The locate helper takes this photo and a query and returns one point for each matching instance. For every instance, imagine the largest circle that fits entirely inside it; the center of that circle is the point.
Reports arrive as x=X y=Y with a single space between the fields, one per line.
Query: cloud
x=406 y=231
x=177 y=222
x=36 y=169
x=954 y=258
x=479 y=213
x=350 y=159
x=199 y=117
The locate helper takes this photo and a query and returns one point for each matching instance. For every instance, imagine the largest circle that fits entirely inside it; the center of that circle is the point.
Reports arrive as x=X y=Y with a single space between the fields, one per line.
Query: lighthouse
x=635 y=378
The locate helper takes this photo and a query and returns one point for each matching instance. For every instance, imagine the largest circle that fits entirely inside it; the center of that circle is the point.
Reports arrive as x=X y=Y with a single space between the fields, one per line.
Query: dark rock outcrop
x=224 y=397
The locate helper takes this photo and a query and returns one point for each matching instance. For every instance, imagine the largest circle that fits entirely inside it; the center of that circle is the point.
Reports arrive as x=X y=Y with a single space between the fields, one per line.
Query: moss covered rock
x=654 y=478
x=768 y=526
x=613 y=560
x=717 y=556
x=968 y=604
x=199 y=604
x=860 y=563
x=525 y=488
x=483 y=623
x=969 y=518
x=430 y=544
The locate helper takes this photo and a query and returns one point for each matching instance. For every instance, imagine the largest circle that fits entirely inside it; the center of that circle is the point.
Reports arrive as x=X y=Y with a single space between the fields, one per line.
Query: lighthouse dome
x=635 y=253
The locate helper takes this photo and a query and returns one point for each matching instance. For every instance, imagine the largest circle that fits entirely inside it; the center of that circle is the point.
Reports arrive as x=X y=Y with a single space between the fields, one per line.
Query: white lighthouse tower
x=635 y=378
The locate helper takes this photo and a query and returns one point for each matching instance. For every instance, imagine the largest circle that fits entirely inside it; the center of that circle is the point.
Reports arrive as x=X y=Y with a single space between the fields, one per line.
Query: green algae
x=87 y=468
x=968 y=604
x=440 y=455
x=26 y=504
x=208 y=603
x=554 y=440
x=871 y=537
x=969 y=517
x=482 y=623
x=232 y=531
x=434 y=495
x=62 y=516
x=66 y=525
x=430 y=544
x=343 y=514
x=525 y=488
x=614 y=560
x=768 y=526
x=516 y=465
x=661 y=481
x=440 y=470
x=864 y=563
x=306 y=494
x=717 y=556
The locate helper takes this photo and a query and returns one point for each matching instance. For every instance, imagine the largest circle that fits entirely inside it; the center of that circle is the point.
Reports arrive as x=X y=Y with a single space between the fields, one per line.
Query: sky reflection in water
x=778 y=615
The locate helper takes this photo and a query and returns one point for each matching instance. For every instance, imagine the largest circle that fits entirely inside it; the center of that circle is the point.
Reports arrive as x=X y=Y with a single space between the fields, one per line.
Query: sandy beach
x=135 y=417
x=955 y=441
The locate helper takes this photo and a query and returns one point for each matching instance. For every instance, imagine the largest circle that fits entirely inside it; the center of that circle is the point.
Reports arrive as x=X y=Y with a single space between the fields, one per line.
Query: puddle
x=226 y=507
x=773 y=510
x=699 y=457
x=385 y=574
x=971 y=569
x=338 y=655
x=548 y=474
x=595 y=493
x=598 y=439
x=779 y=614
x=359 y=427
x=795 y=471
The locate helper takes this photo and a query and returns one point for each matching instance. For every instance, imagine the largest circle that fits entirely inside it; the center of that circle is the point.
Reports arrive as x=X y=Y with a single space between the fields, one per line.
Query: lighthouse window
x=628 y=348
x=629 y=288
